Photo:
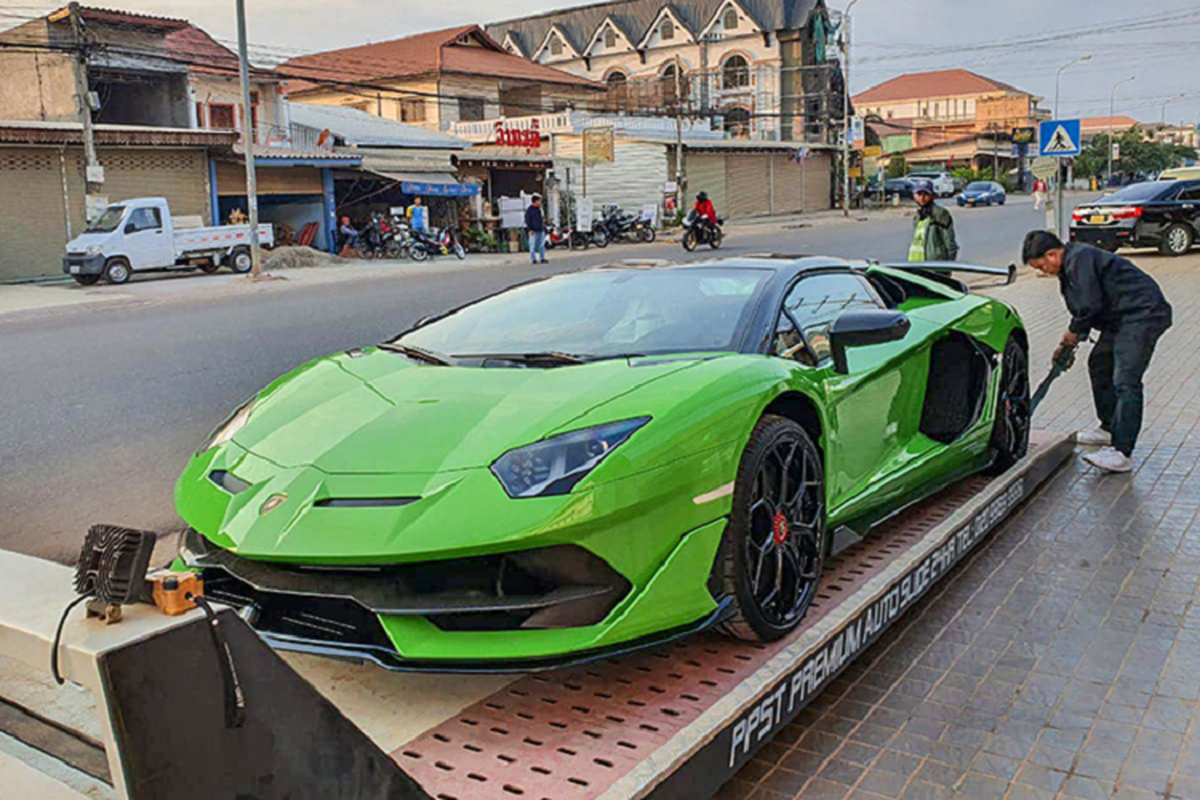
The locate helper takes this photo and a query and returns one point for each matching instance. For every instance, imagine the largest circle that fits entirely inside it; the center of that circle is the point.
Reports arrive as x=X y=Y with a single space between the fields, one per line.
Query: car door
x=1189 y=205
x=147 y=245
x=870 y=417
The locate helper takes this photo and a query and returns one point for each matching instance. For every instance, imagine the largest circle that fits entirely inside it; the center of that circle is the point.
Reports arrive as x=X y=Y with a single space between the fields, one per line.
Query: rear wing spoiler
x=942 y=271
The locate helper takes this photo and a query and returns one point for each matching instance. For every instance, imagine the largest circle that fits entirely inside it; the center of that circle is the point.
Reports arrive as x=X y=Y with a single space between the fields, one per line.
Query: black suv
x=1162 y=214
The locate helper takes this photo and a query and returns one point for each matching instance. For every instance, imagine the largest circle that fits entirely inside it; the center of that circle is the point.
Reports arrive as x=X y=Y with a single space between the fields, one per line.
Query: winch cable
x=235 y=698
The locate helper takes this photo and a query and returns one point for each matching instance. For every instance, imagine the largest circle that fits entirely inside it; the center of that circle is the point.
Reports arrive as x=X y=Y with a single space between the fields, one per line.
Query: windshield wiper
x=550 y=356
x=428 y=356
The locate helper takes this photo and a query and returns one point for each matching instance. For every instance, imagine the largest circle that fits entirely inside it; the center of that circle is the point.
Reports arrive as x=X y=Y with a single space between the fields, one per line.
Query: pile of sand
x=299 y=258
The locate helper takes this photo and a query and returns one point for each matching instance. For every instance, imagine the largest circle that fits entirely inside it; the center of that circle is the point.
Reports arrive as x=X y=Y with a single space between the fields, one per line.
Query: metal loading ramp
x=673 y=722
x=679 y=720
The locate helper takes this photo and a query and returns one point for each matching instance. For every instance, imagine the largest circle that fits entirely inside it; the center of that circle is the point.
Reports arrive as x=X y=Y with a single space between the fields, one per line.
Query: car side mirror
x=130 y=227
x=861 y=328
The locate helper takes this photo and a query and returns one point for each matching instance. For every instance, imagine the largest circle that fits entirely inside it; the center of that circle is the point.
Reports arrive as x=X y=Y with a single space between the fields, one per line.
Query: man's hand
x=1068 y=344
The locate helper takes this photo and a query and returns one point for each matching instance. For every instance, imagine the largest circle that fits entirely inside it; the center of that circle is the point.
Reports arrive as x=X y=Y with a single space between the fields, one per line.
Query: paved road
x=102 y=406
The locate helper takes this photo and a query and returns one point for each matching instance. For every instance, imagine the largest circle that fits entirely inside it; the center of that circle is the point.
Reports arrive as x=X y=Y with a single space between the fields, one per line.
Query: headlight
x=94 y=250
x=553 y=466
x=229 y=428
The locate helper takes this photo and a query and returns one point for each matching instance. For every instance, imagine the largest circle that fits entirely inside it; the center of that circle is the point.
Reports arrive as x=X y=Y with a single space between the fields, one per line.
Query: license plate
x=1098 y=219
x=76 y=270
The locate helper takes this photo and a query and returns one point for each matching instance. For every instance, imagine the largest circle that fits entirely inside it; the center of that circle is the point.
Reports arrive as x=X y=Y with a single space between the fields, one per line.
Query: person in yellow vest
x=933 y=228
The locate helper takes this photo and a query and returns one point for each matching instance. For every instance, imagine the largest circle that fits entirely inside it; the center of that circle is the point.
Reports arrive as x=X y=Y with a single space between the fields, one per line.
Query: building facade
x=142 y=70
x=763 y=69
x=920 y=110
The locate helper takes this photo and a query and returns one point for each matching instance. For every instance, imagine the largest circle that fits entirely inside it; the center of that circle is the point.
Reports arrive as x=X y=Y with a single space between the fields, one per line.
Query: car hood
x=380 y=412
x=85 y=240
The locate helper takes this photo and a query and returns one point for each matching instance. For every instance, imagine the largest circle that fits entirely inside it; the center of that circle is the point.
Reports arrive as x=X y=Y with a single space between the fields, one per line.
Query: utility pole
x=680 y=177
x=1112 y=110
x=846 y=111
x=94 y=176
x=248 y=143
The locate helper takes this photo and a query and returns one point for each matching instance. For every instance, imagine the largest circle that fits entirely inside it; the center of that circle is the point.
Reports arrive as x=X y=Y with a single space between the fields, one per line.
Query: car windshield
x=602 y=313
x=108 y=221
x=979 y=187
x=1141 y=192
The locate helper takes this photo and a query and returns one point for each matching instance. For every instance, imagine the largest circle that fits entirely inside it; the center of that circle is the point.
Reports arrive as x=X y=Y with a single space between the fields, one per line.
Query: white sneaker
x=1096 y=437
x=1109 y=460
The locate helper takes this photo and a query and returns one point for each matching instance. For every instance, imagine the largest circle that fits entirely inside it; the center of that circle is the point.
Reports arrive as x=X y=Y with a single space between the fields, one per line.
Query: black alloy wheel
x=1014 y=418
x=770 y=560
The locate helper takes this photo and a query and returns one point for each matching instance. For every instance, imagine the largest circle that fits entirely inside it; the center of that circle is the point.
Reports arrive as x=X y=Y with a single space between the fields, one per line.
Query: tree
x=897 y=167
x=1140 y=155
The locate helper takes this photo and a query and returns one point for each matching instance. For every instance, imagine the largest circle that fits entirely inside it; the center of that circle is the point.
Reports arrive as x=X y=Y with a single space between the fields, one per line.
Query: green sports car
x=601 y=460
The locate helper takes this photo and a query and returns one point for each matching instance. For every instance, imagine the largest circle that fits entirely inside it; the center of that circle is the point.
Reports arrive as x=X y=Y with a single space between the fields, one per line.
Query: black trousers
x=1116 y=365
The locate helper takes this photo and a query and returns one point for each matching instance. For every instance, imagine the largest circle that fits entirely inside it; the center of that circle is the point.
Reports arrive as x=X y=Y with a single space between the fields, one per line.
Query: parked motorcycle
x=371 y=244
x=425 y=244
x=698 y=230
x=622 y=227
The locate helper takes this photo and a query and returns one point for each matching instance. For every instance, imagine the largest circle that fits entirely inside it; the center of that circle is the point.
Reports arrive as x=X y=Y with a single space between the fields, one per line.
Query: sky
x=890 y=37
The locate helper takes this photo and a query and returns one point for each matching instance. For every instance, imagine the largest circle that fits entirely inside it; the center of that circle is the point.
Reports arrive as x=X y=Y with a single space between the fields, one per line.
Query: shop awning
x=430 y=184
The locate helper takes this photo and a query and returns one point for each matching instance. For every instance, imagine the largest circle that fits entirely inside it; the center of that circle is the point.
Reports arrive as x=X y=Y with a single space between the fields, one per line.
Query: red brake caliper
x=780 y=525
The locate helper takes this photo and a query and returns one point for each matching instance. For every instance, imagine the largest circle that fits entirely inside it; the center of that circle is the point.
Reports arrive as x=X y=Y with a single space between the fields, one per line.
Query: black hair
x=1038 y=243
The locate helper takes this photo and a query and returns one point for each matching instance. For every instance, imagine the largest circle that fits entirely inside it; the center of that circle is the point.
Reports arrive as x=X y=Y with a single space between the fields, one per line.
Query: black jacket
x=535 y=220
x=1103 y=291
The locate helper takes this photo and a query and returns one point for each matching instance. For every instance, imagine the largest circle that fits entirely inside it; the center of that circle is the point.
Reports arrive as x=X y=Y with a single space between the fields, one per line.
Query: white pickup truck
x=139 y=235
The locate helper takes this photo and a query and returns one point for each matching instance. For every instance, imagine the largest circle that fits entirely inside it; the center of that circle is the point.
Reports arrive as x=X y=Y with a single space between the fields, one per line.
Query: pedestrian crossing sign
x=1059 y=137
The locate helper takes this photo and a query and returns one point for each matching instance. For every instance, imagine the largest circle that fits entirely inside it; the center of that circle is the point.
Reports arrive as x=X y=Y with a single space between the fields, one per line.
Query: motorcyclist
x=706 y=212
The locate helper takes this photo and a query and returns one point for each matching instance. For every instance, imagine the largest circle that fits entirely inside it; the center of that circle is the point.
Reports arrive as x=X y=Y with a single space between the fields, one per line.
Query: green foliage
x=1140 y=155
x=970 y=175
x=897 y=167
x=478 y=240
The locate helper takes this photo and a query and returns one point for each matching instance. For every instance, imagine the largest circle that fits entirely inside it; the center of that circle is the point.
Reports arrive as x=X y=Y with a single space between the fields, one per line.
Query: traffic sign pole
x=1060 y=138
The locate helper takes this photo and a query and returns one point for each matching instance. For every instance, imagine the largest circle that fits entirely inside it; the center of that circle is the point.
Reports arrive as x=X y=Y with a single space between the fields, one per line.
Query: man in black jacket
x=535 y=224
x=1107 y=293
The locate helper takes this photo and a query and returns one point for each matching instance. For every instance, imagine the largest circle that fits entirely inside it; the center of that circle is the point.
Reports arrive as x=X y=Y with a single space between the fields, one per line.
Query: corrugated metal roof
x=358 y=128
x=32 y=132
x=268 y=152
x=635 y=17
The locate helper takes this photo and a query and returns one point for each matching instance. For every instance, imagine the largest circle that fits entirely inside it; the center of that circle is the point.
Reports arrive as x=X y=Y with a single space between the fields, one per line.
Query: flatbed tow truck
x=147 y=714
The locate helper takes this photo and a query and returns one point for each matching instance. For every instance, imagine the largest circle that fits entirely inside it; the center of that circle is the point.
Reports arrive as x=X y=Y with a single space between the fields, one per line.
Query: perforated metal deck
x=624 y=725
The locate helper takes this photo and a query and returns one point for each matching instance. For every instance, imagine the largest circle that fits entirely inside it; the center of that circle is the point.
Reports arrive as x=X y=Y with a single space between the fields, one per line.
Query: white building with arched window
x=762 y=69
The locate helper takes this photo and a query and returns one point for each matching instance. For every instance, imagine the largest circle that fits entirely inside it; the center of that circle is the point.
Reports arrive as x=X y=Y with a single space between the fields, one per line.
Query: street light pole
x=1058 y=78
x=1112 y=110
x=248 y=142
x=846 y=111
x=1060 y=192
x=1163 y=121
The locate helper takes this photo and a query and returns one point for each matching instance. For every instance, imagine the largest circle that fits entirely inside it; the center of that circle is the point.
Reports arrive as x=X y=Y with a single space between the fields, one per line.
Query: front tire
x=1177 y=240
x=771 y=555
x=1013 y=419
x=117 y=271
x=718 y=236
x=459 y=252
x=600 y=239
x=648 y=235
